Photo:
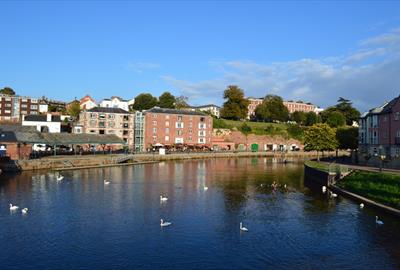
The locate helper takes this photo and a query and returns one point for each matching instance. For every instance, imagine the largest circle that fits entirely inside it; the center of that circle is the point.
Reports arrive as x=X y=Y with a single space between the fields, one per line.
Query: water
x=79 y=223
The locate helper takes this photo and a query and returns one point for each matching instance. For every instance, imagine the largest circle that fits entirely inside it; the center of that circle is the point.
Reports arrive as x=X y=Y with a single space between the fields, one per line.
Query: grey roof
x=41 y=118
x=388 y=107
x=205 y=106
x=23 y=134
x=173 y=111
x=107 y=110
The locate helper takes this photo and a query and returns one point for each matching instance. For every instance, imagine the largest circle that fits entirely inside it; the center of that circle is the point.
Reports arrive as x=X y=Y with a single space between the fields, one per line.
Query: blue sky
x=313 y=51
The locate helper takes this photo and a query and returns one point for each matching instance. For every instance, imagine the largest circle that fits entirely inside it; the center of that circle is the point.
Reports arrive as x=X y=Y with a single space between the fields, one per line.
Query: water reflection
x=82 y=223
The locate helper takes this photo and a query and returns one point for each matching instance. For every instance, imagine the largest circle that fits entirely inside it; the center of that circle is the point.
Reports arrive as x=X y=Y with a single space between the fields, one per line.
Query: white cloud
x=368 y=76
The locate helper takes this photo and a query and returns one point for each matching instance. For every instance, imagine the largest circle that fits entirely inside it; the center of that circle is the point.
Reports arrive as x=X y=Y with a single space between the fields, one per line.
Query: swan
x=205 y=188
x=165 y=224
x=24 y=211
x=243 y=229
x=361 y=205
x=13 y=207
x=323 y=189
x=106 y=182
x=163 y=199
x=377 y=221
x=333 y=195
x=60 y=177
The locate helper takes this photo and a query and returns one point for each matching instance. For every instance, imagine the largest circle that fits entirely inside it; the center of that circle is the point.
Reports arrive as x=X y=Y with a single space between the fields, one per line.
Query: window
x=180 y=132
x=154 y=130
x=111 y=124
x=180 y=118
x=167 y=130
x=126 y=125
x=202 y=119
x=101 y=131
x=202 y=133
x=154 y=123
x=167 y=124
x=179 y=125
x=92 y=123
x=167 y=116
x=190 y=131
x=34 y=107
x=125 y=132
x=166 y=138
x=102 y=116
x=102 y=124
x=93 y=115
x=201 y=140
x=154 y=138
x=24 y=100
x=126 y=117
x=111 y=116
x=202 y=125
x=397 y=116
x=92 y=131
x=24 y=105
x=190 y=138
x=154 y=115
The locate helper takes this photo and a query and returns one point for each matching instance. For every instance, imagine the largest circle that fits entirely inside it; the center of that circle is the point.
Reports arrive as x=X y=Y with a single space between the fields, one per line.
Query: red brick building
x=13 y=107
x=172 y=127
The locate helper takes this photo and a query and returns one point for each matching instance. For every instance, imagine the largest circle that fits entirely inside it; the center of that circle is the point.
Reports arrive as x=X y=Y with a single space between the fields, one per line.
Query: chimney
x=49 y=117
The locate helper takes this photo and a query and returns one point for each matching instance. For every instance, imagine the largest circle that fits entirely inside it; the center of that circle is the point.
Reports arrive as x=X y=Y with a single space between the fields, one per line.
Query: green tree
x=235 y=107
x=347 y=138
x=74 y=109
x=320 y=137
x=312 y=118
x=7 y=91
x=166 y=100
x=272 y=109
x=181 y=102
x=335 y=119
x=346 y=108
x=299 y=117
x=144 y=101
x=245 y=129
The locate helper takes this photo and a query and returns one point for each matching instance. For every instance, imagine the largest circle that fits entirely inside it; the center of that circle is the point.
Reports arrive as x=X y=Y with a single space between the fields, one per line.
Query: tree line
x=147 y=101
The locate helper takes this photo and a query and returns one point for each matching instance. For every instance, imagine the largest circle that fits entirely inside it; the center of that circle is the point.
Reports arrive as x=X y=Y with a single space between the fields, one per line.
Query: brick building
x=13 y=107
x=172 y=127
x=379 y=130
x=115 y=121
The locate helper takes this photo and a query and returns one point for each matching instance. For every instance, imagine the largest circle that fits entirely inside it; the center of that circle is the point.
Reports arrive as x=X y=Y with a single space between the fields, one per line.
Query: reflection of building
x=292 y=106
x=100 y=120
x=379 y=130
x=210 y=108
x=43 y=123
x=13 y=107
x=116 y=102
x=177 y=127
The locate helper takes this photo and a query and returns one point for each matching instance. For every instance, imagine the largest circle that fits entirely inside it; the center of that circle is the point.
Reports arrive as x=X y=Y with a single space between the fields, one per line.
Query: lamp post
x=382 y=157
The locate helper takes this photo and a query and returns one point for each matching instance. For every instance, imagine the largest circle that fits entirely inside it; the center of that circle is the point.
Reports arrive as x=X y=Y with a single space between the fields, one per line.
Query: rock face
x=264 y=142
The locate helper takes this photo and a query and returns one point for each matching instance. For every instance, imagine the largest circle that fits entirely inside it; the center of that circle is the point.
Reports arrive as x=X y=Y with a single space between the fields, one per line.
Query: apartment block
x=170 y=127
x=13 y=107
x=99 y=120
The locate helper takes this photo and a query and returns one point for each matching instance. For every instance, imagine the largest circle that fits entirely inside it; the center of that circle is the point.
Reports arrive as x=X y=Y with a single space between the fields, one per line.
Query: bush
x=220 y=123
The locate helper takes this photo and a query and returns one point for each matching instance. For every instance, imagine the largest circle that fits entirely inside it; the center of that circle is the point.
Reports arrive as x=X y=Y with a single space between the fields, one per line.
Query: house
x=116 y=102
x=43 y=122
x=212 y=109
x=13 y=107
x=379 y=130
x=102 y=120
x=87 y=103
x=171 y=127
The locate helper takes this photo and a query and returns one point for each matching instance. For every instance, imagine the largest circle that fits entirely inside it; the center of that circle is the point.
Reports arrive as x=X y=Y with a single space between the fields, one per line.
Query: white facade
x=116 y=102
x=43 y=123
x=213 y=109
x=43 y=108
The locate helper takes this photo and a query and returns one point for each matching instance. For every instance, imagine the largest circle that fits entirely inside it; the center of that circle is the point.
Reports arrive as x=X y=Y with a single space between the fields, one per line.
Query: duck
x=106 y=182
x=361 y=205
x=165 y=224
x=13 y=207
x=377 y=221
x=243 y=229
x=205 y=188
x=323 y=189
x=24 y=211
x=163 y=199
x=60 y=177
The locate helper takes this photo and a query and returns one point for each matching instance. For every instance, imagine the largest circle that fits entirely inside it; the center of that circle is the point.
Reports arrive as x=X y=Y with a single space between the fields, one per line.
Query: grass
x=317 y=165
x=262 y=128
x=380 y=187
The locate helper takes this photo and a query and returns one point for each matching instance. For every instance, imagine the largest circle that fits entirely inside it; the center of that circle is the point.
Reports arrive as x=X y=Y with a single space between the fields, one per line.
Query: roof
x=205 y=106
x=107 y=110
x=173 y=111
x=24 y=134
x=388 y=107
x=41 y=118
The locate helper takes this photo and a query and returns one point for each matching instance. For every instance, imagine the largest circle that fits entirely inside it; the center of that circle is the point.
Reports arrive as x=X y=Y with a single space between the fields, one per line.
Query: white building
x=211 y=108
x=43 y=108
x=43 y=123
x=116 y=102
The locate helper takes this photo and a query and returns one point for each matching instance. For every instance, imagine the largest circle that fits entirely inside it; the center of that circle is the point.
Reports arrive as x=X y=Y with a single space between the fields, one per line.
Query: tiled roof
x=173 y=111
x=42 y=118
x=388 y=107
x=107 y=110
x=205 y=106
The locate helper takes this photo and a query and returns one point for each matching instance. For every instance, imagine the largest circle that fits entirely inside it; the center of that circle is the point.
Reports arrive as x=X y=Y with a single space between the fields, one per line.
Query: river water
x=80 y=223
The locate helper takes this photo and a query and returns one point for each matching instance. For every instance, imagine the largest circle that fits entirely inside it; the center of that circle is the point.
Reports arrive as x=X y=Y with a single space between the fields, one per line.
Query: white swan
x=323 y=189
x=205 y=188
x=24 y=211
x=13 y=207
x=361 y=205
x=377 y=221
x=60 y=177
x=163 y=199
x=106 y=182
x=165 y=224
x=333 y=195
x=243 y=229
